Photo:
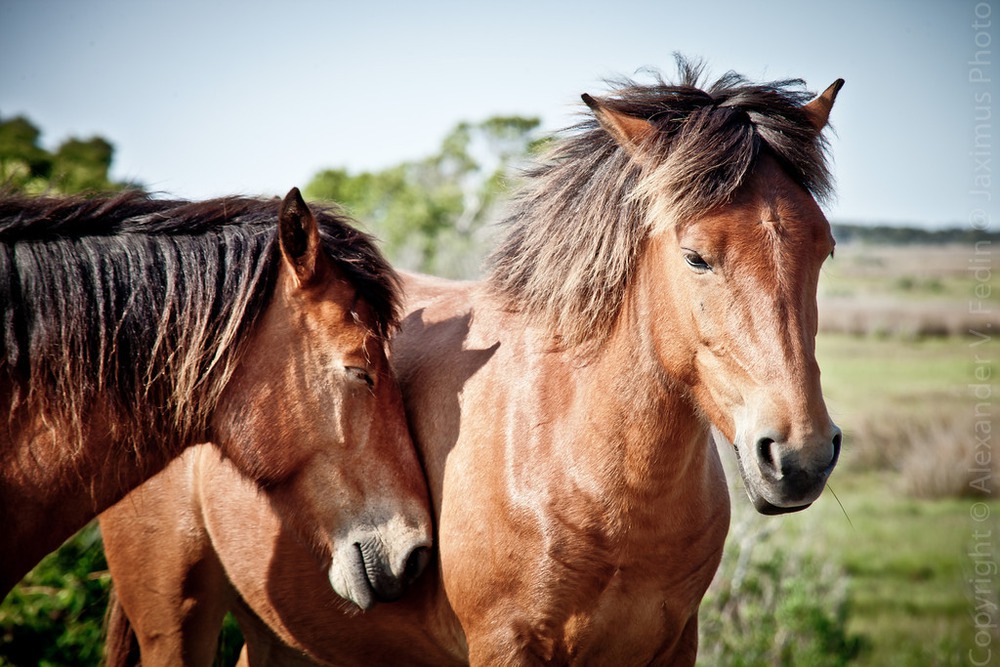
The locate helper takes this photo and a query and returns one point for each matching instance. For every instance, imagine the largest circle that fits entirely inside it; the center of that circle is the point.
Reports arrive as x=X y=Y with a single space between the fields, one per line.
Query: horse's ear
x=298 y=236
x=628 y=131
x=818 y=110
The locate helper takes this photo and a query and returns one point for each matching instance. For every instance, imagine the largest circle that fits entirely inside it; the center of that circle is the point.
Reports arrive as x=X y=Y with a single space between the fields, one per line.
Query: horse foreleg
x=168 y=580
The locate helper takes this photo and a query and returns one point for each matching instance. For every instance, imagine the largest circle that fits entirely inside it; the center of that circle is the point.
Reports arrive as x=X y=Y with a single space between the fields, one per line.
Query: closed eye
x=359 y=375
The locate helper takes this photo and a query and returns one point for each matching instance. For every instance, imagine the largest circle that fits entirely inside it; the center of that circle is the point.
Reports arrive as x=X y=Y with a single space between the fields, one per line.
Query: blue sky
x=207 y=98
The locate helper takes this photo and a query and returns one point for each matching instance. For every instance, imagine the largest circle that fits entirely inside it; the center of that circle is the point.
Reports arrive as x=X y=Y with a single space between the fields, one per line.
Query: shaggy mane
x=147 y=303
x=578 y=226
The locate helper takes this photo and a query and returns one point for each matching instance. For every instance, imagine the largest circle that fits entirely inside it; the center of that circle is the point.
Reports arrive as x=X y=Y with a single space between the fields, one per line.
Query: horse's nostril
x=416 y=563
x=765 y=453
x=838 y=439
x=386 y=585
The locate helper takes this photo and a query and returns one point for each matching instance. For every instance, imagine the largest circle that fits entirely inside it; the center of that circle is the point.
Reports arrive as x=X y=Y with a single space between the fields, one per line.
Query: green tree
x=82 y=166
x=433 y=214
x=23 y=163
x=78 y=165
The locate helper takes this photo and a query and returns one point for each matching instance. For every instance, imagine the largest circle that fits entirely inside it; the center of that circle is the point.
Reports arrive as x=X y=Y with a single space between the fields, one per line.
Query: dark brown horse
x=131 y=328
x=659 y=277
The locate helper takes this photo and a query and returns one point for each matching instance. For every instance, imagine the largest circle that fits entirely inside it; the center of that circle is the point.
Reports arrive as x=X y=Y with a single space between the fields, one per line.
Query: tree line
x=910 y=235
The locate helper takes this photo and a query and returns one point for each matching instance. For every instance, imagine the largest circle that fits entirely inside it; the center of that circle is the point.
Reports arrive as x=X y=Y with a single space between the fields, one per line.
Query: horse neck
x=658 y=450
x=49 y=490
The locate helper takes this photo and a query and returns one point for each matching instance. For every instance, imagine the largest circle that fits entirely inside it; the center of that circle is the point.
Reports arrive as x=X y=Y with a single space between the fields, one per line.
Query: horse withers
x=658 y=277
x=132 y=328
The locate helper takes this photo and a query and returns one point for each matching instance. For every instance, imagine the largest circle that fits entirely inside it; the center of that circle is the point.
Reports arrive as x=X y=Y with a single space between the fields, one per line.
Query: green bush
x=55 y=616
x=775 y=609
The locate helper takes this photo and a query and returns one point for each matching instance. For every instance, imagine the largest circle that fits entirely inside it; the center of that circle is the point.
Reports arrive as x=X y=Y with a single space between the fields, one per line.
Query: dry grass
x=909 y=291
x=906 y=407
x=936 y=457
x=944 y=461
x=884 y=317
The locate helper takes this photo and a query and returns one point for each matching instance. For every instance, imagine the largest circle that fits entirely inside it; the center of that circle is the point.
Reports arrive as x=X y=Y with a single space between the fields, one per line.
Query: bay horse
x=658 y=277
x=131 y=328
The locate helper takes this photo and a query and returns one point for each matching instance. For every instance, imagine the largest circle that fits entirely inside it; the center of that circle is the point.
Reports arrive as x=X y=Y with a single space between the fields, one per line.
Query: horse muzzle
x=365 y=570
x=781 y=478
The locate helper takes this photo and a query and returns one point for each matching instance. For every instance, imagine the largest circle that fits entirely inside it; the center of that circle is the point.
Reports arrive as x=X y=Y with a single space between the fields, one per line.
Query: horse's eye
x=359 y=375
x=695 y=261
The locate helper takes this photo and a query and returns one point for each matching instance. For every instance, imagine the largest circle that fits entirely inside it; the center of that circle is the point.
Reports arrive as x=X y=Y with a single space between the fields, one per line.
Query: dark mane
x=148 y=302
x=576 y=230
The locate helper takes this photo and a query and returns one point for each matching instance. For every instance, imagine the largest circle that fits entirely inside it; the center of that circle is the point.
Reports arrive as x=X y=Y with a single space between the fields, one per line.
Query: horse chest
x=588 y=600
x=641 y=617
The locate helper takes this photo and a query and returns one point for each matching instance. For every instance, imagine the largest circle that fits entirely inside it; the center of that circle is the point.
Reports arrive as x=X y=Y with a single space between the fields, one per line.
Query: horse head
x=733 y=260
x=316 y=393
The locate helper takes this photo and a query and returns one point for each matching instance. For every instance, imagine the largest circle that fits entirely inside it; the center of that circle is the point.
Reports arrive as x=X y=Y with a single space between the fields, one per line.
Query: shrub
x=775 y=608
x=55 y=616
